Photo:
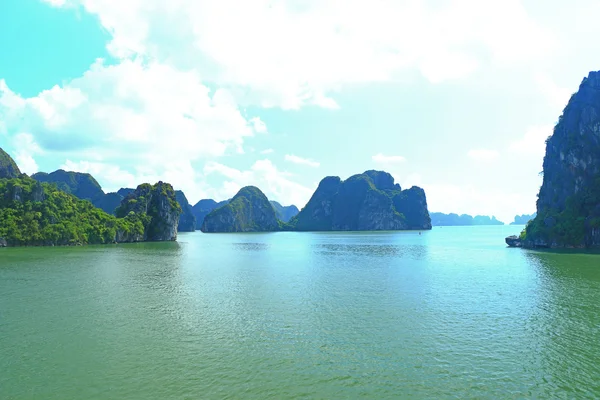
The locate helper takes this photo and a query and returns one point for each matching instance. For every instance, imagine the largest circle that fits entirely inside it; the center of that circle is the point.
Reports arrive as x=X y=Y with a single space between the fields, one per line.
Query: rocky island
x=363 y=202
x=568 y=205
x=34 y=213
x=248 y=211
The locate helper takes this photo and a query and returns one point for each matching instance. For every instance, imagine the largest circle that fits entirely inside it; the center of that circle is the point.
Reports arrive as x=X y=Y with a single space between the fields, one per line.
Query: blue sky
x=456 y=96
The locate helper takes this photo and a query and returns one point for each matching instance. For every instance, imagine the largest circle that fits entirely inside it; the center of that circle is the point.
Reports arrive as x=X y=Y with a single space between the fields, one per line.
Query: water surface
x=451 y=313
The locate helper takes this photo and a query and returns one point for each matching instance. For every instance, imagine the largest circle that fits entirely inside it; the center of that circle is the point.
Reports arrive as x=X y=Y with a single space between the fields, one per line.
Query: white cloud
x=258 y=125
x=25 y=148
x=267 y=151
x=534 y=141
x=303 y=161
x=291 y=53
x=133 y=115
x=556 y=95
x=387 y=160
x=276 y=185
x=483 y=154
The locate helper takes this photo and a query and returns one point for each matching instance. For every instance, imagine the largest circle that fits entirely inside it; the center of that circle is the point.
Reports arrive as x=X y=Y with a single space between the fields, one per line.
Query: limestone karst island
x=286 y=199
x=568 y=205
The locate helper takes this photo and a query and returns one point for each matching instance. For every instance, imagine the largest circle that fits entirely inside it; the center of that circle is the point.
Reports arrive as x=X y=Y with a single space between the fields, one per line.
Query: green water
x=451 y=313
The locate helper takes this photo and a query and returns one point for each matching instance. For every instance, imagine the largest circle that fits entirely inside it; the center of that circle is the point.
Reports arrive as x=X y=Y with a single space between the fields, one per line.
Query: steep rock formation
x=202 y=208
x=8 y=167
x=124 y=192
x=568 y=206
x=108 y=202
x=285 y=213
x=248 y=211
x=39 y=214
x=84 y=186
x=187 y=221
x=160 y=207
x=367 y=201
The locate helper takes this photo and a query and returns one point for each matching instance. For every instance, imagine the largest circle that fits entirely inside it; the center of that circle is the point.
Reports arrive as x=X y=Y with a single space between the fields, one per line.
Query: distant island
x=568 y=206
x=441 y=219
x=367 y=201
x=70 y=208
x=523 y=219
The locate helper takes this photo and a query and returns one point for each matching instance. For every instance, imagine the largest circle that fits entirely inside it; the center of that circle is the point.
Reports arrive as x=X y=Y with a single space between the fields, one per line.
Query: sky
x=455 y=96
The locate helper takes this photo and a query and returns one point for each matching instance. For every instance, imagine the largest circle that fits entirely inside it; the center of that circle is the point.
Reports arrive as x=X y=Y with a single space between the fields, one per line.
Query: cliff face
x=285 y=213
x=159 y=204
x=568 y=206
x=187 y=221
x=8 y=167
x=248 y=211
x=204 y=207
x=84 y=186
x=368 y=201
x=39 y=214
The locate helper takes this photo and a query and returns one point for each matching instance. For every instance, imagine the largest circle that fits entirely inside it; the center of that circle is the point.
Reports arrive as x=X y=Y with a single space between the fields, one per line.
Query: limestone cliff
x=202 y=208
x=248 y=211
x=159 y=204
x=8 y=167
x=367 y=201
x=285 y=213
x=82 y=185
x=568 y=206
x=187 y=221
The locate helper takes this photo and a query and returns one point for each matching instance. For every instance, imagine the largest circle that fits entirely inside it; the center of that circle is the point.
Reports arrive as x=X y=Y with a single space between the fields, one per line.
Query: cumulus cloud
x=483 y=154
x=303 y=161
x=267 y=151
x=277 y=185
x=131 y=114
x=533 y=142
x=292 y=54
x=25 y=150
x=386 y=160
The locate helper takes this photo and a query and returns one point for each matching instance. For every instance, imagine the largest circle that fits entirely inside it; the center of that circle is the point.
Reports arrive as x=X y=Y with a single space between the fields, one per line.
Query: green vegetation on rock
x=568 y=206
x=159 y=207
x=248 y=211
x=34 y=213
x=367 y=201
x=187 y=220
x=8 y=167
x=284 y=213
x=82 y=185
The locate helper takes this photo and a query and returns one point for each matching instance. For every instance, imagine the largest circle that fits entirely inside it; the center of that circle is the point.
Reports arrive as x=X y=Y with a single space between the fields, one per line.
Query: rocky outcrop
x=82 y=185
x=204 y=207
x=159 y=204
x=285 y=213
x=248 y=211
x=568 y=206
x=187 y=221
x=368 y=201
x=8 y=167
x=514 y=241
x=108 y=202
